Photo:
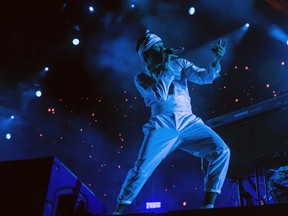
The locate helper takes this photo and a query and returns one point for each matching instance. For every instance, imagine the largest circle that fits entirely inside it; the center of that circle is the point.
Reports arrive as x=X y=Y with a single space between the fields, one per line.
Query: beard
x=157 y=57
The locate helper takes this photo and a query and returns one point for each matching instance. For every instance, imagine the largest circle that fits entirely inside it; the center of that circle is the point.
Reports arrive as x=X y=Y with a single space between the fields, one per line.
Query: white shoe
x=208 y=206
x=116 y=213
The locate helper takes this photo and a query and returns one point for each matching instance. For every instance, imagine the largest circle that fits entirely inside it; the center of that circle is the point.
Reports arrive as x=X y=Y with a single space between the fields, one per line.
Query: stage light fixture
x=75 y=41
x=245 y=26
x=8 y=136
x=38 y=93
x=191 y=10
x=91 y=9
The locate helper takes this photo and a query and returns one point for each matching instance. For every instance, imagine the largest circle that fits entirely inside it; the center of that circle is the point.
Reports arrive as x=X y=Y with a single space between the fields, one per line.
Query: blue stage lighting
x=38 y=93
x=278 y=34
x=91 y=9
x=245 y=27
x=75 y=41
x=8 y=136
x=46 y=69
x=191 y=10
x=12 y=116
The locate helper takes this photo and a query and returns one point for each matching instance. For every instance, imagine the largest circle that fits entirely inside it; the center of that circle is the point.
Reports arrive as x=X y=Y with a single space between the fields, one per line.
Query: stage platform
x=271 y=209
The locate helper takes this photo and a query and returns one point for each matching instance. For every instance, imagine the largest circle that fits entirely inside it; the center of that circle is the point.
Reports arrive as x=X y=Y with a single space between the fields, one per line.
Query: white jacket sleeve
x=200 y=75
x=154 y=90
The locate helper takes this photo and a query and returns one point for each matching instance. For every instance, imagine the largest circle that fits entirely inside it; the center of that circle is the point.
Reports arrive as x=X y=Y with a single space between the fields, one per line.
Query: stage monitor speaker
x=45 y=186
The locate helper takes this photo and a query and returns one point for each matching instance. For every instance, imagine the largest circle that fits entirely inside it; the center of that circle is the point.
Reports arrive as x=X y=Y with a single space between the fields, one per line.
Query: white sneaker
x=208 y=206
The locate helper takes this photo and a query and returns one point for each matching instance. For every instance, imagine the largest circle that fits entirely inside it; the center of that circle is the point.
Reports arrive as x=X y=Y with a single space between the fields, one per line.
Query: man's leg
x=157 y=144
x=119 y=209
x=203 y=142
x=209 y=200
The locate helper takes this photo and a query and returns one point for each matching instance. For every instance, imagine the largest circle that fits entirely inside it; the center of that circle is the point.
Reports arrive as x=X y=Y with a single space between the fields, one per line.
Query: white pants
x=165 y=133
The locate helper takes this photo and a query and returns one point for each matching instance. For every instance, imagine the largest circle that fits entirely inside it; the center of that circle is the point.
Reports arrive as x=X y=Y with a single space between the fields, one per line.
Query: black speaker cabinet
x=44 y=186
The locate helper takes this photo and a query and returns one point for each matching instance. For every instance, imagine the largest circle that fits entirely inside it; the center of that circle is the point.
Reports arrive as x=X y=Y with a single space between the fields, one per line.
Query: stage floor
x=271 y=209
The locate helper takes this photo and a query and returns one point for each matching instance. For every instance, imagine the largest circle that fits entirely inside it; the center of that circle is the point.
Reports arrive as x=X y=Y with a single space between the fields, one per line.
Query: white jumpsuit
x=173 y=126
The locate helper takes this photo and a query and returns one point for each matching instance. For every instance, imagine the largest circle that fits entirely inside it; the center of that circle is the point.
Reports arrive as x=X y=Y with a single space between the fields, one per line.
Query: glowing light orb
x=38 y=93
x=8 y=136
x=191 y=10
x=91 y=9
x=75 y=41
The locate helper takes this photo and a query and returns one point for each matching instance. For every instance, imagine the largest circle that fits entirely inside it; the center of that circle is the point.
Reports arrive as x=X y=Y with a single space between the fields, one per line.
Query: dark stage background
x=90 y=114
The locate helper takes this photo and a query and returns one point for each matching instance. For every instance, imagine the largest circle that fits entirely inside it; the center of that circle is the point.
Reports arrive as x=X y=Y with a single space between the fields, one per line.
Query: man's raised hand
x=220 y=49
